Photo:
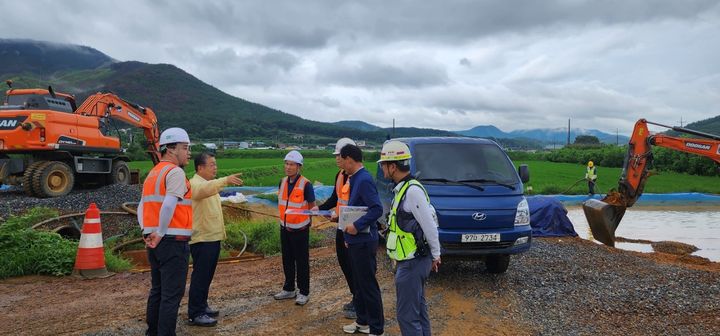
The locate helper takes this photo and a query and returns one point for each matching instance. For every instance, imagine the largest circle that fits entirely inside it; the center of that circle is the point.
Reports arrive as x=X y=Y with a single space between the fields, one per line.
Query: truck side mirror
x=524 y=173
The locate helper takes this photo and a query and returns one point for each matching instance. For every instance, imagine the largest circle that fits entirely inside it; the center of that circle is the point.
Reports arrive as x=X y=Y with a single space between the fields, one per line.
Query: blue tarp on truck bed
x=548 y=218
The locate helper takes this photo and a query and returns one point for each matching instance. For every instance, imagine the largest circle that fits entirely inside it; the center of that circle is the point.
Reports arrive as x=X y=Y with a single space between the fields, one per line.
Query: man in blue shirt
x=361 y=238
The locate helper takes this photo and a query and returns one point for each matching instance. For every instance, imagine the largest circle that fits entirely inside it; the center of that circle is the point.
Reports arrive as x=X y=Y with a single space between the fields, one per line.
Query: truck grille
x=485 y=245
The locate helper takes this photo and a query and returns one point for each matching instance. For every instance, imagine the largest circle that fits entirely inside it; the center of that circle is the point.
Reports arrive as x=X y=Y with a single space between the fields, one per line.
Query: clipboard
x=349 y=214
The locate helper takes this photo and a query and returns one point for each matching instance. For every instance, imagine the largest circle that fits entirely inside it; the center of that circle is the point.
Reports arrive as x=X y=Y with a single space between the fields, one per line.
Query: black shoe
x=349 y=306
x=211 y=312
x=203 y=321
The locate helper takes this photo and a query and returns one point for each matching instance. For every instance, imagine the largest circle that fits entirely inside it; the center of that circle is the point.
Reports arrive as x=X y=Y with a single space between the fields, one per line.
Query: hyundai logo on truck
x=478 y=216
x=697 y=146
x=11 y=123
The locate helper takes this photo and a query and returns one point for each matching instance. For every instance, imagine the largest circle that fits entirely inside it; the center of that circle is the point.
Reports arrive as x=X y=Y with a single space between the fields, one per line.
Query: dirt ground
x=41 y=305
x=463 y=298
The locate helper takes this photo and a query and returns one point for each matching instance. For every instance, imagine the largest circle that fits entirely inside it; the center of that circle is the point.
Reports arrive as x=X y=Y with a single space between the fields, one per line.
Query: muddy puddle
x=694 y=225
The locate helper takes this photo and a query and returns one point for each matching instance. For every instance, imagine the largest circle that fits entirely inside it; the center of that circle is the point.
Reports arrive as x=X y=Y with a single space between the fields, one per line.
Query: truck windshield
x=471 y=162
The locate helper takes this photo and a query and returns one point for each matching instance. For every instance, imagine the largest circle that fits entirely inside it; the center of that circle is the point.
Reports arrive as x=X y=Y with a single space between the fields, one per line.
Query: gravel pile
x=571 y=286
x=107 y=198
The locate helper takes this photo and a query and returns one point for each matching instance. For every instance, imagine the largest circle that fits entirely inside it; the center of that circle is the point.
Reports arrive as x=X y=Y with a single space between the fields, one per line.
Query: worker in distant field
x=412 y=239
x=208 y=231
x=340 y=197
x=591 y=177
x=165 y=216
x=295 y=192
x=361 y=238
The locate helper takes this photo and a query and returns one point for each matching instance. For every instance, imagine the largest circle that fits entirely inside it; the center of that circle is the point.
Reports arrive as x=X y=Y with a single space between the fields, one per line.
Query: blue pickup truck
x=477 y=194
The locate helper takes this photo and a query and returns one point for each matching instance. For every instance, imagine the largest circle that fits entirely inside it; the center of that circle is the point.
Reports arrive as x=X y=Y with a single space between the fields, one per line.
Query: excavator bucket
x=603 y=219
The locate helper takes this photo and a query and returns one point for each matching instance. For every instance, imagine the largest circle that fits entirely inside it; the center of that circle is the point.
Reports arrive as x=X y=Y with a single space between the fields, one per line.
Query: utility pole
x=393 y=130
x=568 y=139
x=681 y=121
x=617 y=137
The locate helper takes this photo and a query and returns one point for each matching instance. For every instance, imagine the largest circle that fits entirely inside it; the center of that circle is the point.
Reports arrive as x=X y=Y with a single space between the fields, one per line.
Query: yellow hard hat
x=590 y=164
x=394 y=150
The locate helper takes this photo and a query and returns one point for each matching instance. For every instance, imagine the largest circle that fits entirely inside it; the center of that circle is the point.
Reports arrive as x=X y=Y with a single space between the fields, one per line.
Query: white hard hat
x=174 y=135
x=341 y=143
x=394 y=150
x=294 y=156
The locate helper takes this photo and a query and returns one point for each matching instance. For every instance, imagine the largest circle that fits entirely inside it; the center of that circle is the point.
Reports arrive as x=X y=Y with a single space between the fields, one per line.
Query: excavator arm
x=604 y=216
x=108 y=105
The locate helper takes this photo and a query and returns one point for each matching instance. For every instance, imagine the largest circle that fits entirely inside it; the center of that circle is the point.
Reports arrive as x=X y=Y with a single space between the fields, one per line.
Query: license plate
x=480 y=238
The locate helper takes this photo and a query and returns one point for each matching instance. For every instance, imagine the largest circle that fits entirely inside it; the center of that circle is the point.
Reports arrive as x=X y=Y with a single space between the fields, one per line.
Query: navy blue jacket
x=364 y=193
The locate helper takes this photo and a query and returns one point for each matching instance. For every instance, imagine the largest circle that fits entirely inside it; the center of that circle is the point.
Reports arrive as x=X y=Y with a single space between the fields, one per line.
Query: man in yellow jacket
x=208 y=231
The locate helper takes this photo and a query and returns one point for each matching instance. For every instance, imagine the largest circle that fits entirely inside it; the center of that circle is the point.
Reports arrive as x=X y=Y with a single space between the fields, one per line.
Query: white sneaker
x=284 y=295
x=354 y=327
x=301 y=299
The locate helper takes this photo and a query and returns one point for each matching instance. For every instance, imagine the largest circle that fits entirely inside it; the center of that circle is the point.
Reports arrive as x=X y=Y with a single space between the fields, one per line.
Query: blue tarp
x=321 y=193
x=548 y=218
x=649 y=199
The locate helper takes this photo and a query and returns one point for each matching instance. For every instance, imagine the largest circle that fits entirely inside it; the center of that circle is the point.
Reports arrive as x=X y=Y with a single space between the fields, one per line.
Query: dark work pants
x=169 y=267
x=412 y=310
x=296 y=257
x=591 y=187
x=205 y=257
x=344 y=260
x=368 y=302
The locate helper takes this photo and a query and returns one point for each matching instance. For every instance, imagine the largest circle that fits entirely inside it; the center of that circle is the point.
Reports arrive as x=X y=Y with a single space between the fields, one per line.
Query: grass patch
x=269 y=197
x=25 y=251
x=553 y=178
x=263 y=236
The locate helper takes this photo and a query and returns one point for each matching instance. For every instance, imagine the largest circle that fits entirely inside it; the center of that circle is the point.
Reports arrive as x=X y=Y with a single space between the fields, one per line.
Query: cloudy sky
x=440 y=64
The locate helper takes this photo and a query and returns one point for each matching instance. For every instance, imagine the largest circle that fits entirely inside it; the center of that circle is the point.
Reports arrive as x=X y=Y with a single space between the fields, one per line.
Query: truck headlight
x=522 y=216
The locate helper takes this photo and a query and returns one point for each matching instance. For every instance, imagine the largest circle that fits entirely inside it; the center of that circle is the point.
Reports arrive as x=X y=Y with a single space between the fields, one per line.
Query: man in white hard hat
x=295 y=192
x=412 y=238
x=165 y=216
x=339 y=198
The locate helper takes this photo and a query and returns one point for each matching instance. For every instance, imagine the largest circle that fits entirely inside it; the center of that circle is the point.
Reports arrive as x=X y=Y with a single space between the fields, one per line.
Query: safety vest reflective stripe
x=297 y=194
x=154 y=191
x=401 y=245
x=91 y=240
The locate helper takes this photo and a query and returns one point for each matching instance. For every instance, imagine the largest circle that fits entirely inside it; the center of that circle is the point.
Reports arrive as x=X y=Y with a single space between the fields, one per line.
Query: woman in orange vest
x=165 y=216
x=339 y=198
x=295 y=192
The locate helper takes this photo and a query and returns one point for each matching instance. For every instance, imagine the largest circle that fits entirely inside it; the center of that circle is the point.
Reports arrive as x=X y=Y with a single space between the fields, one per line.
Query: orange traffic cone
x=90 y=261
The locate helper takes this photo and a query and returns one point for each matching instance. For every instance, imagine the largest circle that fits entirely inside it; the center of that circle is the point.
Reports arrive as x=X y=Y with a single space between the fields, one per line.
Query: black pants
x=205 y=258
x=368 y=302
x=591 y=187
x=344 y=260
x=169 y=267
x=296 y=257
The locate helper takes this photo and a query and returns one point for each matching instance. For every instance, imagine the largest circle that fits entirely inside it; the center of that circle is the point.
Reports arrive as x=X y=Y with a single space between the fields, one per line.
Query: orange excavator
x=605 y=215
x=47 y=143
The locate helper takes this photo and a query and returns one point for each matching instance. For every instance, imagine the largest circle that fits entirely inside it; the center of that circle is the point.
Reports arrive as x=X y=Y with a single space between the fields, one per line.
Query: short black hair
x=202 y=158
x=165 y=147
x=351 y=151
x=401 y=166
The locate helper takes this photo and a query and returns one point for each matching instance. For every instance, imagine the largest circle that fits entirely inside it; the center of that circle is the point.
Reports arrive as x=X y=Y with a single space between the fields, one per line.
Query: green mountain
x=178 y=98
x=710 y=125
x=357 y=124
